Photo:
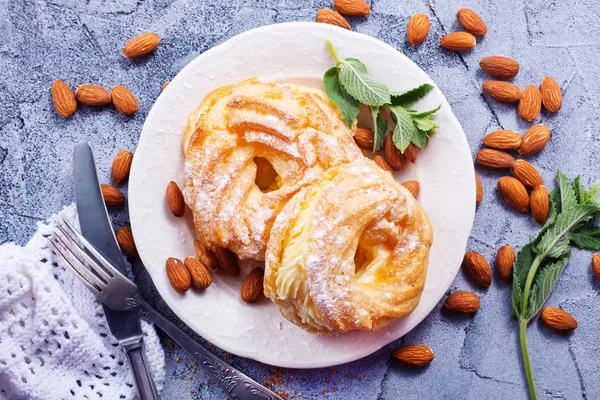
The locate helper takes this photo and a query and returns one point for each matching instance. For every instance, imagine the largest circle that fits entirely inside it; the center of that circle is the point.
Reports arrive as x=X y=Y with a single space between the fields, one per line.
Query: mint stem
x=523 y=339
x=532 y=271
x=333 y=52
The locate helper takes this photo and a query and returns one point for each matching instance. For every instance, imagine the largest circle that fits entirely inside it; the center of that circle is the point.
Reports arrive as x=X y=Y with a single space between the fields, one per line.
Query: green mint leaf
x=554 y=207
x=420 y=138
x=424 y=124
x=360 y=85
x=517 y=296
x=423 y=114
x=587 y=237
x=380 y=126
x=404 y=130
x=523 y=263
x=411 y=96
x=589 y=196
x=545 y=281
x=347 y=104
x=567 y=194
x=578 y=189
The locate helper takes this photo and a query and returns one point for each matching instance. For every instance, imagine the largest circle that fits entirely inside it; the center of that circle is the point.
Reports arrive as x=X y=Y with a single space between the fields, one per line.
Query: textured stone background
x=476 y=357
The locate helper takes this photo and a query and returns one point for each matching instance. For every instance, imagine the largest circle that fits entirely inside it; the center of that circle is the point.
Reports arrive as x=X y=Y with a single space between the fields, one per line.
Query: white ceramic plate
x=279 y=52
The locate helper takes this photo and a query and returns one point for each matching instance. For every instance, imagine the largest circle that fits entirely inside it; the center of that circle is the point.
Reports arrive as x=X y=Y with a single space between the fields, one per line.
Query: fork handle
x=141 y=371
x=236 y=384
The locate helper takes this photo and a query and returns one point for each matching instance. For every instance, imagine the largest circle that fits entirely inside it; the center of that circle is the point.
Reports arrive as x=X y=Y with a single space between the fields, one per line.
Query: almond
x=112 y=196
x=126 y=242
x=530 y=104
x=63 y=98
x=164 y=86
x=124 y=100
x=463 y=301
x=329 y=16
x=383 y=164
x=205 y=256
x=503 y=92
x=411 y=153
x=458 y=41
x=503 y=139
x=534 y=139
x=596 y=265
x=201 y=279
x=121 y=166
x=527 y=174
x=494 y=159
x=178 y=275
x=478 y=190
x=393 y=156
x=413 y=187
x=505 y=261
x=514 y=193
x=252 y=286
x=418 y=29
x=551 y=94
x=499 y=67
x=364 y=138
x=356 y=8
x=92 y=95
x=478 y=268
x=175 y=200
x=226 y=260
x=414 y=355
x=539 y=204
x=471 y=21
x=558 y=319
x=141 y=45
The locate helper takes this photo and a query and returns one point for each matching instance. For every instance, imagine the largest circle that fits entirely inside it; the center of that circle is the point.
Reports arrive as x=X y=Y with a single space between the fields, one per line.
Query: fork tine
x=79 y=265
x=92 y=263
x=78 y=274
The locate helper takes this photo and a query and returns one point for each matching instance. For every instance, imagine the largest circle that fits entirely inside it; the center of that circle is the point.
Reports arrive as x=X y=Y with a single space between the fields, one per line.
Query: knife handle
x=145 y=384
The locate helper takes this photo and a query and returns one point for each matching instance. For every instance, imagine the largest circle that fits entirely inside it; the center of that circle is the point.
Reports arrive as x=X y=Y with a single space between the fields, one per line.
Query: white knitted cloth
x=54 y=339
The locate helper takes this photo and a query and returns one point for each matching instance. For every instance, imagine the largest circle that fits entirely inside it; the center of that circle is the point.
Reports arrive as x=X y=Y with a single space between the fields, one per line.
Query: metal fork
x=120 y=293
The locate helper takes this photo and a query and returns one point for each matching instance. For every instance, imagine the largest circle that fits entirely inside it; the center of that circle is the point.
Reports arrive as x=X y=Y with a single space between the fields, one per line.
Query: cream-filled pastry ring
x=348 y=252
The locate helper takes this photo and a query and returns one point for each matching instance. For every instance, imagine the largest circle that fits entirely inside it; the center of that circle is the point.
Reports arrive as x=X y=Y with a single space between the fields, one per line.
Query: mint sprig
x=347 y=104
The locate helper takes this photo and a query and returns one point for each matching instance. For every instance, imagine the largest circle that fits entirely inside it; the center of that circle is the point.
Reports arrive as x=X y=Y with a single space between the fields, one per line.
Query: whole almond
x=356 y=8
x=124 y=100
x=527 y=174
x=596 y=265
x=112 y=196
x=164 y=86
x=494 y=159
x=252 y=286
x=534 y=139
x=478 y=190
x=558 y=319
x=501 y=91
x=499 y=67
x=178 y=275
x=205 y=256
x=226 y=260
x=458 y=41
x=551 y=94
x=329 y=16
x=418 y=29
x=463 y=301
x=63 y=98
x=92 y=95
x=141 y=45
x=395 y=159
x=503 y=139
x=530 y=103
x=126 y=242
x=175 y=200
x=201 y=278
x=411 y=153
x=121 y=166
x=514 y=193
x=413 y=187
x=414 y=355
x=505 y=261
x=471 y=21
x=478 y=268
x=380 y=161
x=539 y=204
x=364 y=138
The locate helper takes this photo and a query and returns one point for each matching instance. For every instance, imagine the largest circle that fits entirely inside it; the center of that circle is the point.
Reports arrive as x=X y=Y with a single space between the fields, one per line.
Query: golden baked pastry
x=349 y=252
x=248 y=149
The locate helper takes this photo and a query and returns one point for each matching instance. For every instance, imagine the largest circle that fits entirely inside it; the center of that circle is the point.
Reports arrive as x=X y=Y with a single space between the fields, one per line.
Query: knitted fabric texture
x=54 y=339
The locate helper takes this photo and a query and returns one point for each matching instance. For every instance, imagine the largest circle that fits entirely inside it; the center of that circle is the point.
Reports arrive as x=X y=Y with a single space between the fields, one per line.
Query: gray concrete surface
x=476 y=357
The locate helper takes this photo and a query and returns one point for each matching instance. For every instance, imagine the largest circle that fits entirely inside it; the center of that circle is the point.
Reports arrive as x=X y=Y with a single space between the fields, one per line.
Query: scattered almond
x=329 y=16
x=252 y=286
x=380 y=161
x=164 y=86
x=226 y=260
x=364 y=138
x=121 y=166
x=201 y=279
x=63 y=98
x=539 y=204
x=458 y=41
x=596 y=265
x=415 y=355
x=503 y=139
x=394 y=158
x=356 y=8
x=112 y=196
x=471 y=21
x=411 y=153
x=501 y=91
x=175 y=200
x=527 y=174
x=530 y=103
x=478 y=190
x=126 y=242
x=494 y=159
x=558 y=319
x=478 y=268
x=463 y=301
x=178 y=275
x=534 y=139
x=505 y=261
x=514 y=193
x=413 y=187
x=141 y=45
x=418 y=29
x=205 y=256
x=551 y=94
x=499 y=67
x=124 y=100
x=92 y=95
